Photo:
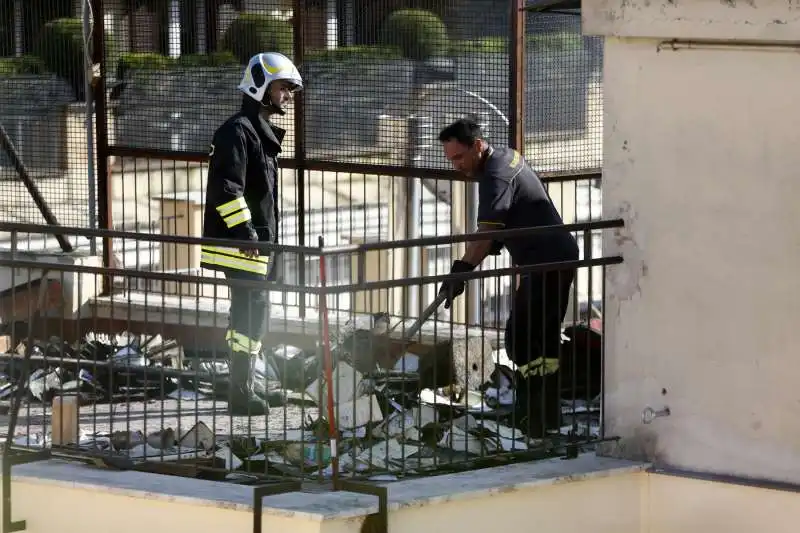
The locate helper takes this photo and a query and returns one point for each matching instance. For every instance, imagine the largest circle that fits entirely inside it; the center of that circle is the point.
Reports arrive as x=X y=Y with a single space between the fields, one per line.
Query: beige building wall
x=701 y=159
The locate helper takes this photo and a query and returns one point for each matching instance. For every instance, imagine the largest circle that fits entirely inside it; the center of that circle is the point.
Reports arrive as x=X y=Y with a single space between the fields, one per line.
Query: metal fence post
x=516 y=131
x=420 y=137
x=299 y=146
x=101 y=126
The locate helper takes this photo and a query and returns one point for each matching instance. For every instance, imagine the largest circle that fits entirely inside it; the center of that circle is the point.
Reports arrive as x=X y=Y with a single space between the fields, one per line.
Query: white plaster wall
x=702 y=160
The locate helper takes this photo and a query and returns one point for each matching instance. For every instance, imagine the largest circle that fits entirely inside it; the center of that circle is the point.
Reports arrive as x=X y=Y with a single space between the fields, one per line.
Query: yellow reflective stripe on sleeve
x=514 y=160
x=233 y=259
x=239 y=342
x=237 y=218
x=231 y=207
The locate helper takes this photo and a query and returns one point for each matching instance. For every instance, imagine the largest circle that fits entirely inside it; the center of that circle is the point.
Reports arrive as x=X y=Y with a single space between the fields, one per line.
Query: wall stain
x=625 y=279
x=641 y=446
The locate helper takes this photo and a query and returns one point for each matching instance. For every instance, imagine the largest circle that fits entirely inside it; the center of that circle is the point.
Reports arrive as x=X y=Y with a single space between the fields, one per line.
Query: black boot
x=243 y=399
x=537 y=404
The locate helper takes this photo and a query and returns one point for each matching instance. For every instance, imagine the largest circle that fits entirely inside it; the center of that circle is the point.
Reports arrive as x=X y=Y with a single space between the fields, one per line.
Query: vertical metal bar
x=420 y=137
x=212 y=24
x=300 y=148
x=87 y=80
x=516 y=131
x=19 y=29
x=328 y=364
x=101 y=124
x=131 y=7
x=473 y=311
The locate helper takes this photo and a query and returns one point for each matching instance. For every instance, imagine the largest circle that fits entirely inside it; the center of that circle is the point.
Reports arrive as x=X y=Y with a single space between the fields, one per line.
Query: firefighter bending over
x=511 y=196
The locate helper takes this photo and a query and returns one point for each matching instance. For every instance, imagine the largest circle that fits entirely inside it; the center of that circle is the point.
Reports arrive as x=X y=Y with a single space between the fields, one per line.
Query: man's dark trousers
x=533 y=335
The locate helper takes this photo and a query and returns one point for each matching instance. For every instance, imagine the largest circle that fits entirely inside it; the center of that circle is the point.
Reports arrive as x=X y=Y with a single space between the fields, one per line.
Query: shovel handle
x=426 y=314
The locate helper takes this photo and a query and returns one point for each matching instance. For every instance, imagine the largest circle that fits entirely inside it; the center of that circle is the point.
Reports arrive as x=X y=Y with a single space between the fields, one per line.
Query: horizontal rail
x=15 y=227
x=304 y=289
x=158 y=153
x=475 y=274
x=156 y=371
x=479 y=236
x=151 y=275
x=323 y=165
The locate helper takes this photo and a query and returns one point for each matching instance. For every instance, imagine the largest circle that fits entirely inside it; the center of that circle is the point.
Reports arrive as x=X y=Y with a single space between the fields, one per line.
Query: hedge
x=151 y=61
x=10 y=66
x=252 y=33
x=60 y=47
x=417 y=33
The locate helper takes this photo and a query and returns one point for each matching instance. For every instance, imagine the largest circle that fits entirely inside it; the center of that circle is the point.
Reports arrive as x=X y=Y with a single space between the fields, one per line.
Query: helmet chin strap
x=270 y=105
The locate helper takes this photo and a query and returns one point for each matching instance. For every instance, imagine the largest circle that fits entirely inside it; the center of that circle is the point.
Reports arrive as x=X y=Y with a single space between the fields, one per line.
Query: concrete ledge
x=321 y=506
x=589 y=493
x=172 y=489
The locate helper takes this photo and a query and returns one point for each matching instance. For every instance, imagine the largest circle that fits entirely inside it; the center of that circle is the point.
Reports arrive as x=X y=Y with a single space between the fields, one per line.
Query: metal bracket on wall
x=262 y=491
x=13 y=458
x=376 y=522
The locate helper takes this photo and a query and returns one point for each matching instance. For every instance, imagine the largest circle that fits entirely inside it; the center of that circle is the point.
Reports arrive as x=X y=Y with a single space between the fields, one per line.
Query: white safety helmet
x=262 y=70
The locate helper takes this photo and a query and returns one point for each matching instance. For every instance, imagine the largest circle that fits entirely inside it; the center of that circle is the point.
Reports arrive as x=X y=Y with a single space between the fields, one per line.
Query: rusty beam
x=516 y=131
x=27 y=179
x=104 y=220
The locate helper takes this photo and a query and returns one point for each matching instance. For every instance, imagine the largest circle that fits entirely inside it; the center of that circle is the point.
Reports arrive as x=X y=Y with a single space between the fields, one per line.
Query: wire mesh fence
x=360 y=165
x=143 y=385
x=381 y=78
x=48 y=144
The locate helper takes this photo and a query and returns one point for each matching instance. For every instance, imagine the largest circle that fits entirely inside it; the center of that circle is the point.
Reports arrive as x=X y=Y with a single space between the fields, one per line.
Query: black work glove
x=496 y=248
x=453 y=287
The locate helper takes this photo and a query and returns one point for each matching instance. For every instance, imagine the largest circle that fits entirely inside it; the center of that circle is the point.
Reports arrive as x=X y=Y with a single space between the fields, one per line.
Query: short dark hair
x=464 y=131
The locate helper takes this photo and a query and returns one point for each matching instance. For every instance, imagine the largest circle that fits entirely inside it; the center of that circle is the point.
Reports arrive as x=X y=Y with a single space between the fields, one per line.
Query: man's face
x=465 y=158
x=281 y=92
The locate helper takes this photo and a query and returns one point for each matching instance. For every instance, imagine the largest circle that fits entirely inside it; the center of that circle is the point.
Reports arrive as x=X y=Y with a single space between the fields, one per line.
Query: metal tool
x=409 y=333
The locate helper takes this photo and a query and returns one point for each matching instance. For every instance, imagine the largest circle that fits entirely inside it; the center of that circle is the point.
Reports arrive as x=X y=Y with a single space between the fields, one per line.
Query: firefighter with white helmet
x=242 y=205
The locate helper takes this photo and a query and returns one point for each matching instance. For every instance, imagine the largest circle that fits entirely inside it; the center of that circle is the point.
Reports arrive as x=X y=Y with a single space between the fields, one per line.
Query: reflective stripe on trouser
x=248 y=315
x=234 y=259
x=241 y=343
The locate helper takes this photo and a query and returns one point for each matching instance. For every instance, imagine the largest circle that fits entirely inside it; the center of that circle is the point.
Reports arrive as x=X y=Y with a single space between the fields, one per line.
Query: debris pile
x=398 y=408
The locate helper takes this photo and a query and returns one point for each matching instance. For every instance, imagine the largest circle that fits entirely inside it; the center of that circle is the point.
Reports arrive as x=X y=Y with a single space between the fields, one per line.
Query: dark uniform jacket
x=242 y=192
x=511 y=196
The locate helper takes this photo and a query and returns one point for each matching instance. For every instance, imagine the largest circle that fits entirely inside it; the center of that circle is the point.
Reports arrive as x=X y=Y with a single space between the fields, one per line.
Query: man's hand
x=250 y=252
x=452 y=287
